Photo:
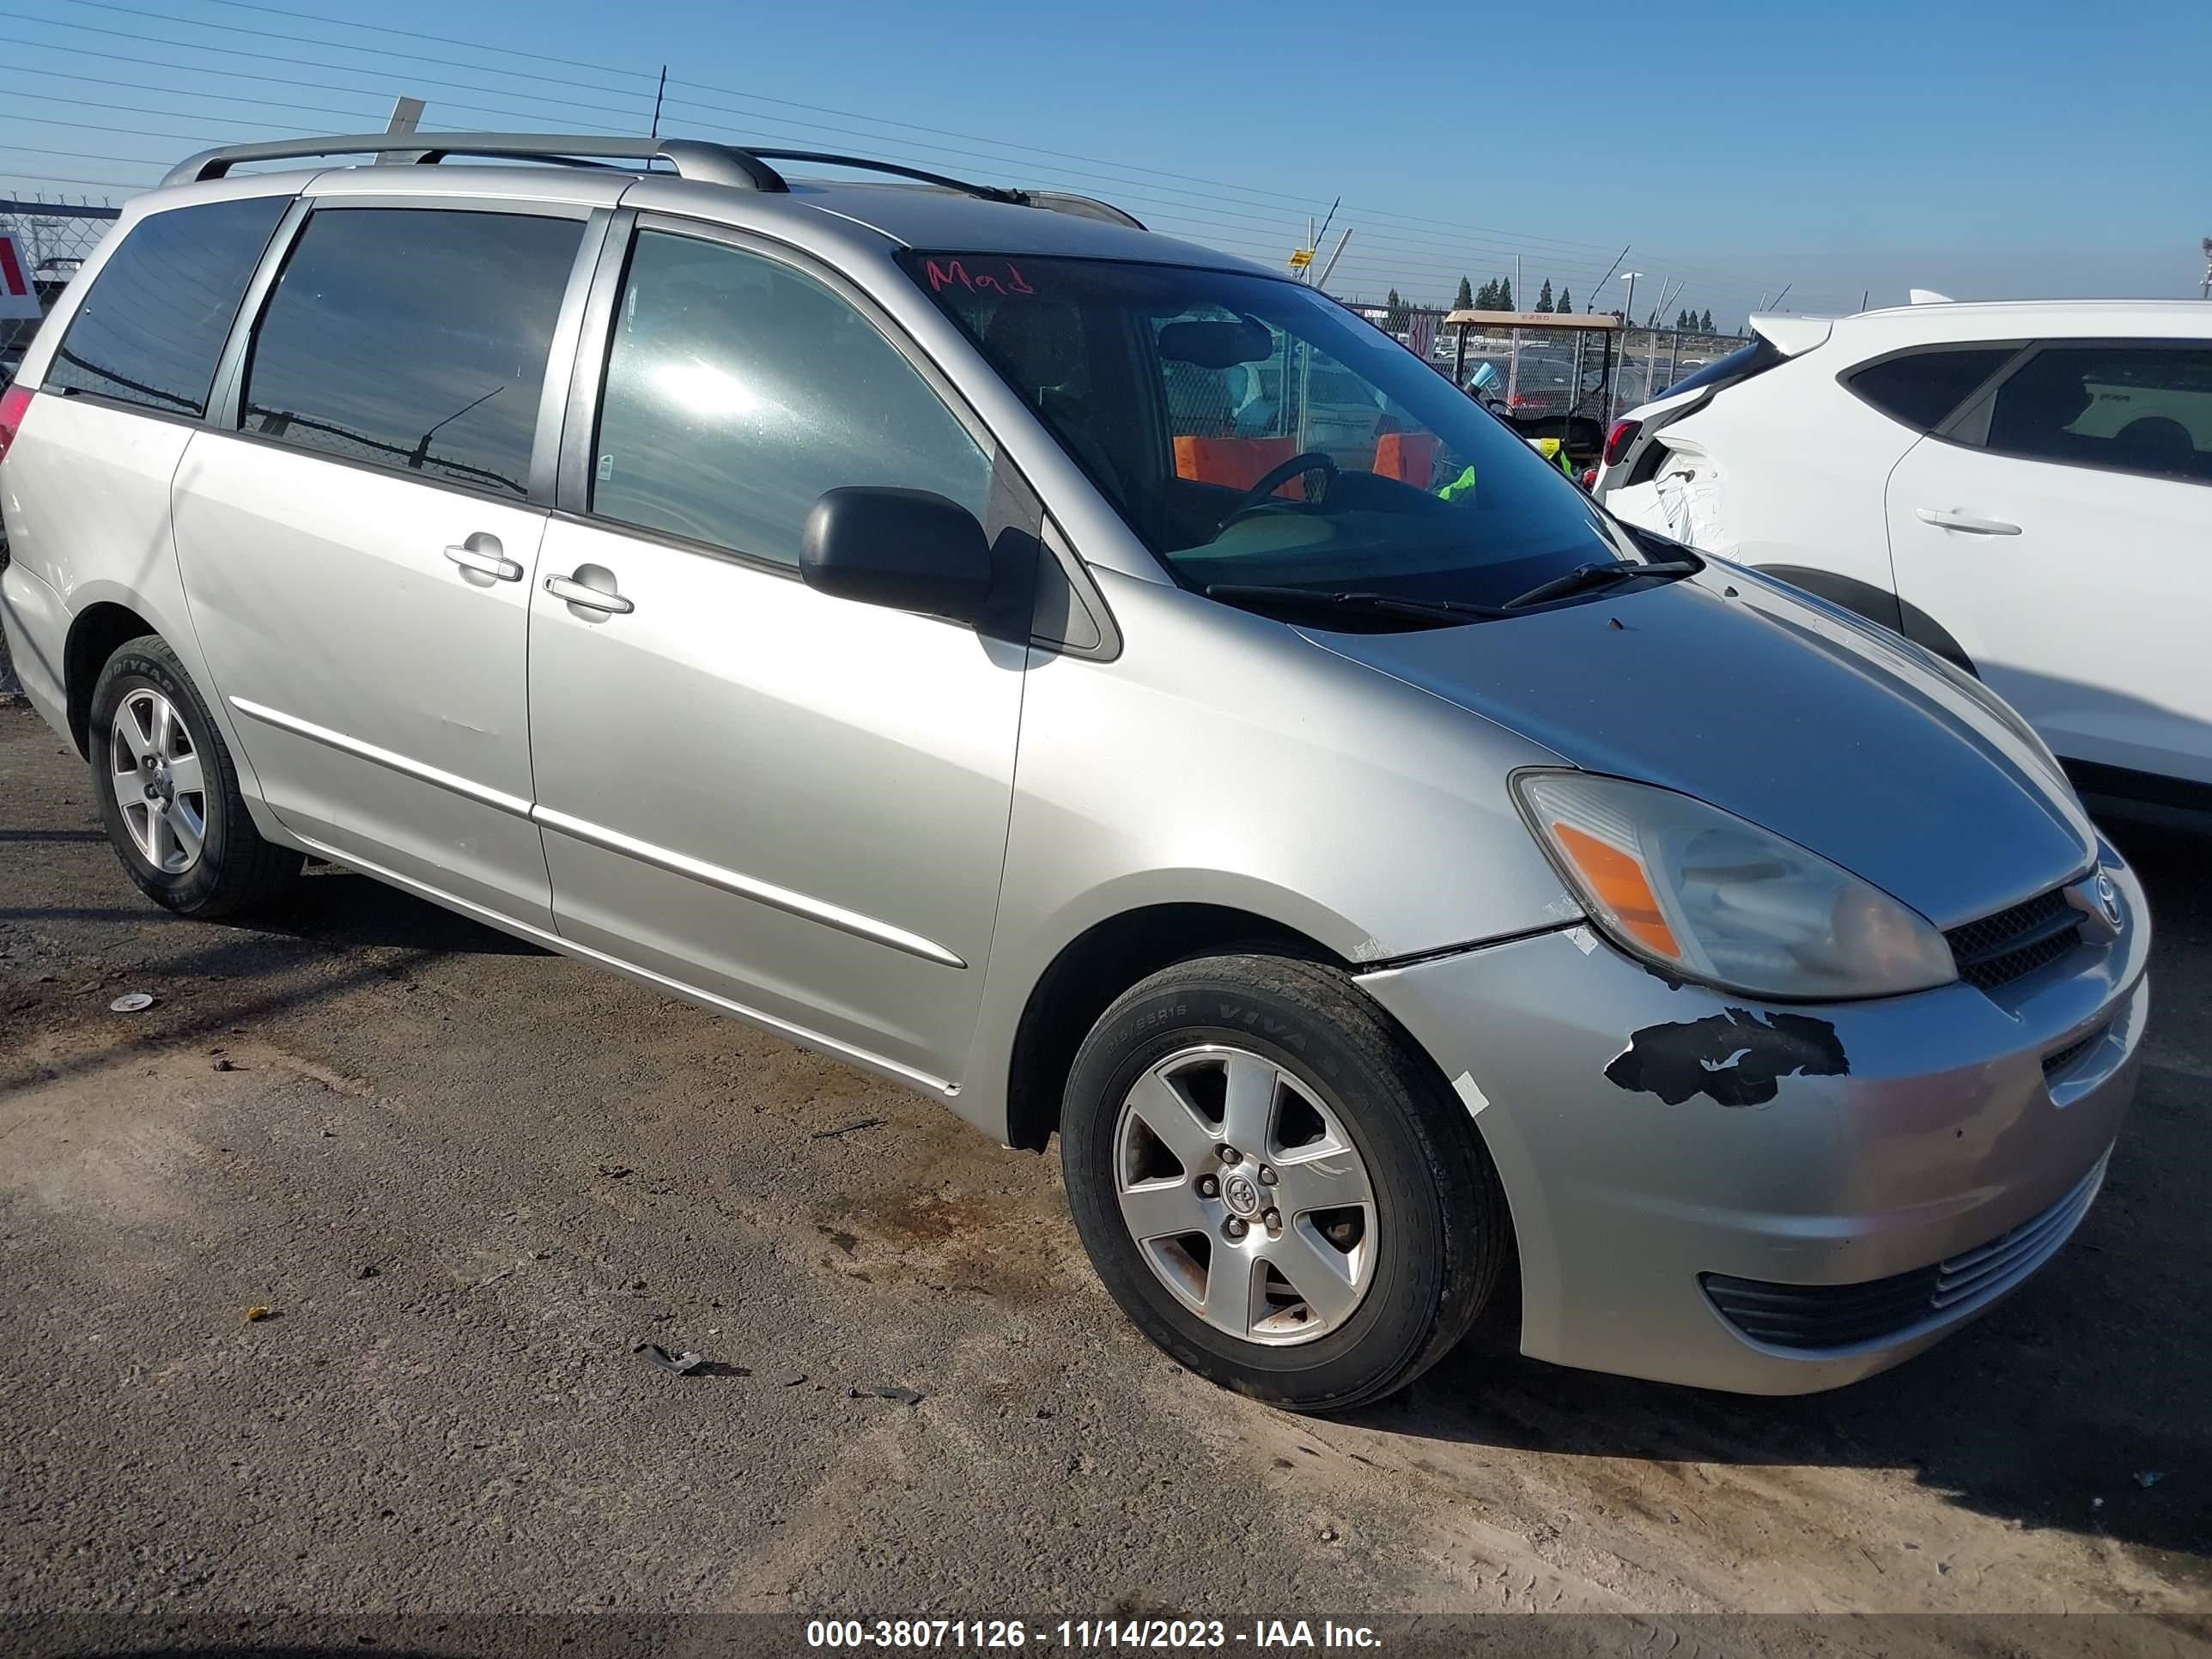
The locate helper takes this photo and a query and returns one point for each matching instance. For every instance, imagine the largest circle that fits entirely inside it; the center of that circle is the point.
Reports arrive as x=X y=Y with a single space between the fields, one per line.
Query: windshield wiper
x=1387 y=603
x=1584 y=577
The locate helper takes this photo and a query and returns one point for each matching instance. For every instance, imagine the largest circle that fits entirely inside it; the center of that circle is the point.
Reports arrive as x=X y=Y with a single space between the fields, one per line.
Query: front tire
x=168 y=791
x=1275 y=1185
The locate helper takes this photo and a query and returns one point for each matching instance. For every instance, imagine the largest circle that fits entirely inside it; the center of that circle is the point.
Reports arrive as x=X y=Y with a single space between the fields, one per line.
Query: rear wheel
x=1275 y=1186
x=169 y=793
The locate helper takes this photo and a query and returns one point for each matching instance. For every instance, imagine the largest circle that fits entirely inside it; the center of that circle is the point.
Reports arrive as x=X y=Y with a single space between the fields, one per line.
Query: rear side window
x=1922 y=388
x=2125 y=408
x=739 y=390
x=413 y=338
x=149 y=332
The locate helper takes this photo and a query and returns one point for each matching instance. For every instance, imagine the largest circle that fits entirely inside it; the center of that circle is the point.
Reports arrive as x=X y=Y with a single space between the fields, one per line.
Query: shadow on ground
x=337 y=907
x=330 y=906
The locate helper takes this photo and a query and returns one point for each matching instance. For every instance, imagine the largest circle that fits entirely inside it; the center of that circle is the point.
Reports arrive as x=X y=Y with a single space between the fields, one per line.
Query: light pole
x=1627 y=322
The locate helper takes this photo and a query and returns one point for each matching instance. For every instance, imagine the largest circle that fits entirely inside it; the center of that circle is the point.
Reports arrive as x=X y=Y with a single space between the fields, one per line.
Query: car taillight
x=1618 y=441
x=1590 y=477
x=13 y=403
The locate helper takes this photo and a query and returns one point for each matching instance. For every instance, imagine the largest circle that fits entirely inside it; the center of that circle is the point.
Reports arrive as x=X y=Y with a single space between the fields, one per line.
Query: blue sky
x=1984 y=149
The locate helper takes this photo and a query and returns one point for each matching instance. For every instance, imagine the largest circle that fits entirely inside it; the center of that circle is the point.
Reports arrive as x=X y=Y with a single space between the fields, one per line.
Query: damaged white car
x=2025 y=488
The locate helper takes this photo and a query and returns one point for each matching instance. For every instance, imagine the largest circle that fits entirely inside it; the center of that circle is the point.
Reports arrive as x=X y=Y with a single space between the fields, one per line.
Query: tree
x=1465 y=302
x=1566 y=300
x=1706 y=323
x=1505 y=294
x=1397 y=321
x=1544 y=295
x=1487 y=300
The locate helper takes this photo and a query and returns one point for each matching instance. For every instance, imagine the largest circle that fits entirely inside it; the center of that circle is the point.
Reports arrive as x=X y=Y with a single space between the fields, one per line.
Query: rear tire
x=168 y=791
x=1364 y=1178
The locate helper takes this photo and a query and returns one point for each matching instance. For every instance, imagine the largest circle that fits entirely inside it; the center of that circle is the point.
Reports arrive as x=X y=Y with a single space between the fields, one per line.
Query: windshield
x=1253 y=432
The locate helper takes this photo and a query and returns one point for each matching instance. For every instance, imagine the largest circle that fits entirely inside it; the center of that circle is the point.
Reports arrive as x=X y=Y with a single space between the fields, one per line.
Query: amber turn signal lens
x=1617 y=881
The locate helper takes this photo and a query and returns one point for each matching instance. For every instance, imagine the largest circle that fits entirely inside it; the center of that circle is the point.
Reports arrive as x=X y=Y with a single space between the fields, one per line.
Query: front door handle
x=482 y=553
x=1944 y=519
x=590 y=598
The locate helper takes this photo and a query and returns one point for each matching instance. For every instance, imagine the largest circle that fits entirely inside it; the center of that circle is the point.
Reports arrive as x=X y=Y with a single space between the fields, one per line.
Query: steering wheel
x=1276 y=476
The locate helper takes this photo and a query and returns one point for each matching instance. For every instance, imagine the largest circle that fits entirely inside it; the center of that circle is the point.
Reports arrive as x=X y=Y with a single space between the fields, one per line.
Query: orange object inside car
x=1408 y=457
x=1236 y=463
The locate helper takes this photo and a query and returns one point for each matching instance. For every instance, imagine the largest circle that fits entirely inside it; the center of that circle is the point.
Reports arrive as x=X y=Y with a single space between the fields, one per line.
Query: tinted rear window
x=2124 y=406
x=1924 y=387
x=151 y=329
x=413 y=338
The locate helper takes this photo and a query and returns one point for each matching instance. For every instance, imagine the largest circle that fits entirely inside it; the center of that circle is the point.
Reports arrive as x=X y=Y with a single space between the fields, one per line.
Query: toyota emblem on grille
x=2098 y=898
x=2108 y=900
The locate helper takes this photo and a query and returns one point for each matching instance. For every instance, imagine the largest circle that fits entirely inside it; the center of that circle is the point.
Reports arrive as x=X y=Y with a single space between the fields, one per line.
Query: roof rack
x=824 y=158
x=715 y=164
x=692 y=158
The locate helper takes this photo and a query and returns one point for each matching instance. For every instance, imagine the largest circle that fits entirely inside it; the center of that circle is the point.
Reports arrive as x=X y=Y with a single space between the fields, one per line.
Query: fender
x=1875 y=605
x=168 y=614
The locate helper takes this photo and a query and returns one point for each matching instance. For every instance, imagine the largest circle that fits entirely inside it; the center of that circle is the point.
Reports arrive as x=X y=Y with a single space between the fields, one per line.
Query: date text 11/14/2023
x=1089 y=1635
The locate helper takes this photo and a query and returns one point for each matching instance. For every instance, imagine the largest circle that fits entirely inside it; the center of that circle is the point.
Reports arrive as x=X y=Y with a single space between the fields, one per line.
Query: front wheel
x=1275 y=1186
x=169 y=790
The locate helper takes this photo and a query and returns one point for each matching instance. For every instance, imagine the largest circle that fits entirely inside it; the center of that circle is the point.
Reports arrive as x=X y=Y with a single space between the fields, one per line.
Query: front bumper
x=1901 y=1140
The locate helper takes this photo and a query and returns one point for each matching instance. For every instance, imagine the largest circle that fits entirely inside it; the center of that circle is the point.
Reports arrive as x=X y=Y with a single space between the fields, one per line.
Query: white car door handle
x=590 y=598
x=486 y=560
x=1944 y=519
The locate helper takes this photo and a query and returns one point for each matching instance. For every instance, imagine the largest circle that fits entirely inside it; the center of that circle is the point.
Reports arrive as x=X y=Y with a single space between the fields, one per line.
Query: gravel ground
x=465 y=1179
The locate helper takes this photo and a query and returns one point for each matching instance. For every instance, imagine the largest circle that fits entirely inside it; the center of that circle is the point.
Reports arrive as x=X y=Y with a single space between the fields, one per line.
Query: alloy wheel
x=1246 y=1197
x=159 y=786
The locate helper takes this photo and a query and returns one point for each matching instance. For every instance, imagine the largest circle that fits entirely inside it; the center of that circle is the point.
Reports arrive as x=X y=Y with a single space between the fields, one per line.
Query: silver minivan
x=882 y=610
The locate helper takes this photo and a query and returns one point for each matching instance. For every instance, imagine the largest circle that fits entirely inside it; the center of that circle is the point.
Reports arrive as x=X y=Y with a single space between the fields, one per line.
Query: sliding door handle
x=589 y=598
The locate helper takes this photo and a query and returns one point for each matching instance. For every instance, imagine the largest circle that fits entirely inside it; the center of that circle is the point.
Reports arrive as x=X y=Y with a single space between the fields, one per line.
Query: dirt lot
x=466 y=1178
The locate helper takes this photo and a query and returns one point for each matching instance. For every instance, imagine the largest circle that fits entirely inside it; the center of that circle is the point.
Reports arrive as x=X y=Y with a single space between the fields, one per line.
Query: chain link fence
x=1548 y=377
x=54 y=239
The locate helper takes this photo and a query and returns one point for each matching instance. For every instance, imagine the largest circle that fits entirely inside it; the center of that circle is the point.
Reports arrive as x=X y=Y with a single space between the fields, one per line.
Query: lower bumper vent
x=2056 y=1062
x=1822 y=1318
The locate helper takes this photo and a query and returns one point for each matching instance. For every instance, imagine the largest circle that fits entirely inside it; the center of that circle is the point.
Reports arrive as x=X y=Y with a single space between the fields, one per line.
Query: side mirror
x=906 y=548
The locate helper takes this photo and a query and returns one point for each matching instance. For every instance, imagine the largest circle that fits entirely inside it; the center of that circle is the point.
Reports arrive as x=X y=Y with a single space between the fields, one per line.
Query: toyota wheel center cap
x=1242 y=1195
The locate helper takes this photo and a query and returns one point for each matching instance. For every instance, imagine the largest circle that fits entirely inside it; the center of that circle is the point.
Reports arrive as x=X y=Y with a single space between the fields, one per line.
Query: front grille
x=2012 y=943
x=1824 y=1318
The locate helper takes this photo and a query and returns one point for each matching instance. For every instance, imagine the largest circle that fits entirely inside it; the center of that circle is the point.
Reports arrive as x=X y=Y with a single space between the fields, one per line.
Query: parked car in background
x=886 y=616
x=2024 y=488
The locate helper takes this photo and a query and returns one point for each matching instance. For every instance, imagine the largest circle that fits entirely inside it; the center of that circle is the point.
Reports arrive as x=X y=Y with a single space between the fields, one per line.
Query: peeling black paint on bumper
x=1737 y=1057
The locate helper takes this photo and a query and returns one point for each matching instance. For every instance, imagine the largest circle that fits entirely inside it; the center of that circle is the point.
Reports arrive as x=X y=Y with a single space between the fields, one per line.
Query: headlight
x=1709 y=896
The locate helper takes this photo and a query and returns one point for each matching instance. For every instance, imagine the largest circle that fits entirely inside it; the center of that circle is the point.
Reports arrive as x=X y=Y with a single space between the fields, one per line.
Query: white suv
x=2024 y=488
